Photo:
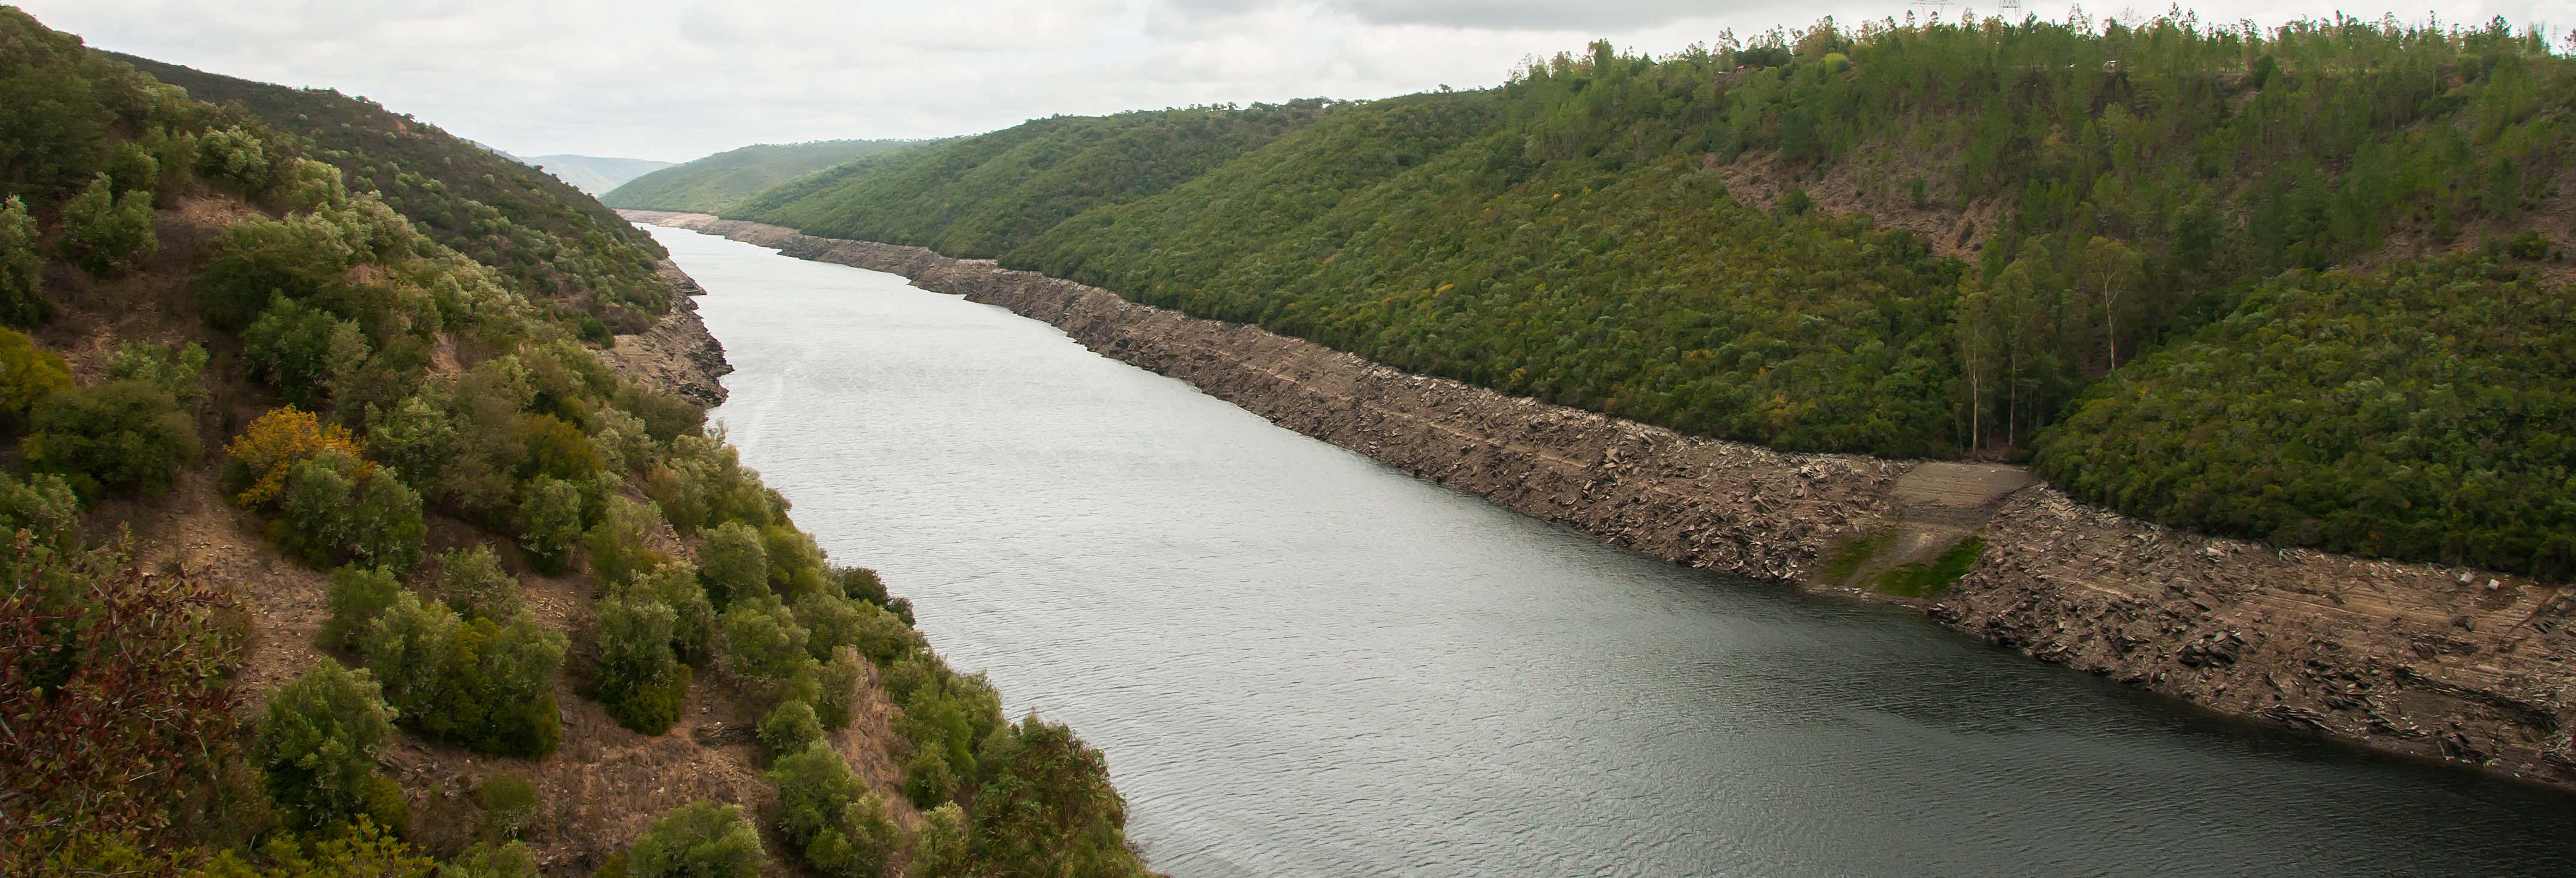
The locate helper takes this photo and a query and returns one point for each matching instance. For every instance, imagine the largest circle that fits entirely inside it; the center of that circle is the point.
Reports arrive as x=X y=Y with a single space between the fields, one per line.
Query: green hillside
x=331 y=552
x=551 y=241
x=1639 y=236
x=714 y=183
x=594 y=175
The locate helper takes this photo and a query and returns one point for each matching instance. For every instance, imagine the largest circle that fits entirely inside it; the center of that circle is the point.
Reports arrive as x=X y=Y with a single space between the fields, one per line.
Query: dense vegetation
x=547 y=241
x=715 y=183
x=2004 y=216
x=371 y=383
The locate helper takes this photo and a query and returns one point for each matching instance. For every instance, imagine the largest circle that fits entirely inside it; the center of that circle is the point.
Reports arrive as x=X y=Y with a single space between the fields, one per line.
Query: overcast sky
x=677 y=79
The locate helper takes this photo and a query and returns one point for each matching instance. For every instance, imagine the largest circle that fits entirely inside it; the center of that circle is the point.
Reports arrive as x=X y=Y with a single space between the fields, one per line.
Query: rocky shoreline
x=2452 y=664
x=676 y=355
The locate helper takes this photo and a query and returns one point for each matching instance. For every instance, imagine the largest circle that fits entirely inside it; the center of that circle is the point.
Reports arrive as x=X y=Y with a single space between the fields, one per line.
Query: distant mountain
x=717 y=182
x=593 y=174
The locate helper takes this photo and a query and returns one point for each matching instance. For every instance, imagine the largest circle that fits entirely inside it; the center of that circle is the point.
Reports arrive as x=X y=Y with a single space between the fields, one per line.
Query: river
x=1302 y=662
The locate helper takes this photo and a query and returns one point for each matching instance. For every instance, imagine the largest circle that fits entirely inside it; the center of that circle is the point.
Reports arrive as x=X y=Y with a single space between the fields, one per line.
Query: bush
x=108 y=234
x=237 y=158
x=338 y=509
x=180 y=371
x=119 y=436
x=415 y=438
x=509 y=803
x=557 y=448
x=790 y=728
x=1048 y=807
x=41 y=504
x=836 y=689
x=29 y=375
x=814 y=787
x=487 y=686
x=642 y=682
x=796 y=566
x=927 y=780
x=693 y=621
x=22 y=269
x=549 y=521
x=358 y=596
x=763 y=643
x=303 y=352
x=274 y=444
x=860 y=846
x=319 y=749
x=473 y=583
x=830 y=623
x=698 y=840
x=619 y=543
x=257 y=259
x=859 y=584
x=733 y=564
x=512 y=860
x=939 y=849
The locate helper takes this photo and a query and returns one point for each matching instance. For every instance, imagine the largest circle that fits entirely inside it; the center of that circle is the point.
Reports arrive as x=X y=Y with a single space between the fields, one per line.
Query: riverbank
x=2415 y=659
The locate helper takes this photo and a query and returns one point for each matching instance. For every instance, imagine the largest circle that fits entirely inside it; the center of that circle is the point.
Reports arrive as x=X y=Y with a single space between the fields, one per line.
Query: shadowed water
x=1301 y=662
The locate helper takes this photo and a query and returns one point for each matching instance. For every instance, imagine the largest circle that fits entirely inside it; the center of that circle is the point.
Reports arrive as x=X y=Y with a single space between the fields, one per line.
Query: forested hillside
x=332 y=552
x=548 y=240
x=717 y=182
x=1920 y=240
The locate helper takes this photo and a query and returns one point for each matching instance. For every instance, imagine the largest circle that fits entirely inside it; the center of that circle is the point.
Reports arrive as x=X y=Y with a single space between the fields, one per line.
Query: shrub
x=108 y=234
x=665 y=417
x=482 y=860
x=237 y=158
x=22 y=269
x=119 y=436
x=619 y=543
x=789 y=728
x=473 y=583
x=698 y=840
x=861 y=845
x=642 y=682
x=557 y=448
x=179 y=371
x=927 y=780
x=836 y=689
x=859 y=584
x=319 y=749
x=1048 y=807
x=509 y=803
x=487 y=686
x=939 y=849
x=29 y=375
x=257 y=259
x=274 y=443
x=338 y=509
x=763 y=643
x=733 y=564
x=415 y=438
x=814 y=787
x=312 y=185
x=358 y=595
x=367 y=848
x=795 y=562
x=693 y=621
x=884 y=637
x=303 y=352
x=41 y=504
x=549 y=521
x=830 y=623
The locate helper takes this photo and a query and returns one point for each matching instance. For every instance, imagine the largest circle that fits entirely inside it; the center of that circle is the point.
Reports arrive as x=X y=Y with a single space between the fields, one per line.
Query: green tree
x=733 y=563
x=641 y=681
x=115 y=437
x=550 y=525
x=789 y=728
x=318 y=749
x=472 y=582
x=108 y=234
x=357 y=596
x=22 y=268
x=698 y=840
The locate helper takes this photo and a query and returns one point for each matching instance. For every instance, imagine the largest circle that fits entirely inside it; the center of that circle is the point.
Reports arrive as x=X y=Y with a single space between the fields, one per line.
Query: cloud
x=676 y=79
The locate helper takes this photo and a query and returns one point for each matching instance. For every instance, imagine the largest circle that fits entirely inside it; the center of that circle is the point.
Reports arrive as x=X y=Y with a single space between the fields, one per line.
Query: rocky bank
x=2453 y=664
x=676 y=355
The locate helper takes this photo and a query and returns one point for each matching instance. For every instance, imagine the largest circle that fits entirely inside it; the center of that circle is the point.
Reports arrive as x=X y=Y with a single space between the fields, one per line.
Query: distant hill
x=593 y=174
x=717 y=182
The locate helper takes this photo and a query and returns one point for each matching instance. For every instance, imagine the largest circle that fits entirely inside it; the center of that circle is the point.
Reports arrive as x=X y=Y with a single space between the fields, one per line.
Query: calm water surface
x=1301 y=662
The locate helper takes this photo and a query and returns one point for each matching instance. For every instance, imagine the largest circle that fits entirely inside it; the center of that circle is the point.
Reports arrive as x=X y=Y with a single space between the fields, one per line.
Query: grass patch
x=1851 y=557
x=1920 y=580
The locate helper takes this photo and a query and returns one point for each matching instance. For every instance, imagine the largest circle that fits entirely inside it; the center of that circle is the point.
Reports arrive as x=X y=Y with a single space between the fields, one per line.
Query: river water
x=1302 y=662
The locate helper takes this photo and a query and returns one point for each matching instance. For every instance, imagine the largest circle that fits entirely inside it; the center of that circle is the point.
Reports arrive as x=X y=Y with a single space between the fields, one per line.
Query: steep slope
x=333 y=549
x=1919 y=241
x=550 y=241
x=717 y=182
x=594 y=175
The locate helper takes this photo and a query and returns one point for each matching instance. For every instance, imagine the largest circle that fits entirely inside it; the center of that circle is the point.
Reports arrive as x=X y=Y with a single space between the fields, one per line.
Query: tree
x=22 y=268
x=358 y=595
x=319 y=748
x=29 y=375
x=114 y=437
x=304 y=352
x=698 y=840
x=1048 y=808
x=733 y=563
x=472 y=582
x=640 y=680
x=550 y=525
x=620 y=544
x=105 y=233
x=789 y=728
x=940 y=849
x=763 y=643
x=674 y=584
x=274 y=443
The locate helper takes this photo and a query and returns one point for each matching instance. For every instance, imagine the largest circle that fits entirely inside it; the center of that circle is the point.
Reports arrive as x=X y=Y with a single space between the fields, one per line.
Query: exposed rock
x=2401 y=657
x=676 y=355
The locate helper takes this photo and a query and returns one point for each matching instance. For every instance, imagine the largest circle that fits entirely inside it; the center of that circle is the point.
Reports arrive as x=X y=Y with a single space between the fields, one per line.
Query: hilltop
x=716 y=182
x=594 y=175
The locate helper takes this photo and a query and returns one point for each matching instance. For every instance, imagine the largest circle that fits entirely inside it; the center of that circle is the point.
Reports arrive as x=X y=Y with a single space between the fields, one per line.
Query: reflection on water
x=1303 y=663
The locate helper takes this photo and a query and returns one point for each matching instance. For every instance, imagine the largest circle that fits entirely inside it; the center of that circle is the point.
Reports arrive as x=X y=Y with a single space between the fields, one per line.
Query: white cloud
x=675 y=79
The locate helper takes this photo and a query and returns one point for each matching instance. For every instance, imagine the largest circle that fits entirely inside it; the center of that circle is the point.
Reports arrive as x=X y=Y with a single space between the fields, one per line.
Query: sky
x=673 y=80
